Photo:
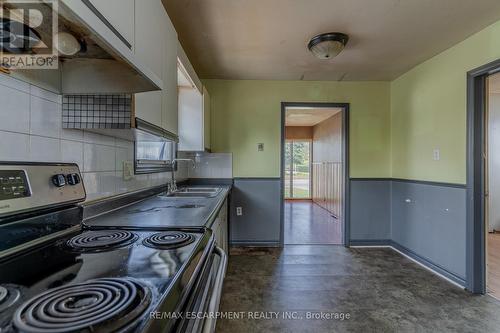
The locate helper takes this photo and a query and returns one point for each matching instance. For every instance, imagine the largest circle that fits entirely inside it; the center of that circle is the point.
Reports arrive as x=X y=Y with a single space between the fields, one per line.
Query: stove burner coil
x=3 y=293
x=100 y=305
x=8 y=296
x=168 y=240
x=102 y=240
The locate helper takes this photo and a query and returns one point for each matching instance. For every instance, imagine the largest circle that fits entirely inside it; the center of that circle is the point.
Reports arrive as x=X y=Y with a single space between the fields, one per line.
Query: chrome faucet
x=172 y=186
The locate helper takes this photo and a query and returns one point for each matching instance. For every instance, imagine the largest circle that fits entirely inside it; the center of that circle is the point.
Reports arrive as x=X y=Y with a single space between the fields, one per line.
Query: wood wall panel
x=327 y=166
x=298 y=132
x=328 y=186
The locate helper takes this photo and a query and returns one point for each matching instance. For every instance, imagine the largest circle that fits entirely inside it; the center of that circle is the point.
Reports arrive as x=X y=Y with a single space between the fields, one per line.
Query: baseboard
x=437 y=269
x=422 y=261
x=251 y=243
x=369 y=242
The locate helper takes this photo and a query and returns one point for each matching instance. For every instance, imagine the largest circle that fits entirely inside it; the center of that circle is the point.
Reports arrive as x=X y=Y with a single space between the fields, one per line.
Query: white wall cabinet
x=156 y=46
x=194 y=119
x=190 y=119
x=169 y=119
x=120 y=14
x=206 y=118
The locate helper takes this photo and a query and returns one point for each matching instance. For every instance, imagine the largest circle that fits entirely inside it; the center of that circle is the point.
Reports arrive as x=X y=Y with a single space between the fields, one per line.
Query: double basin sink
x=195 y=192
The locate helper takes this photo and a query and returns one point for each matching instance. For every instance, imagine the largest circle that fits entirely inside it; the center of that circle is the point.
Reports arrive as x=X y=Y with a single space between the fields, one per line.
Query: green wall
x=428 y=110
x=395 y=126
x=247 y=112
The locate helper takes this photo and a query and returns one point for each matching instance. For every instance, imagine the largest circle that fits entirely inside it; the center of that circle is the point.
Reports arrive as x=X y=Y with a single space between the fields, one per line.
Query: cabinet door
x=170 y=116
x=206 y=118
x=120 y=14
x=148 y=106
x=151 y=25
x=190 y=119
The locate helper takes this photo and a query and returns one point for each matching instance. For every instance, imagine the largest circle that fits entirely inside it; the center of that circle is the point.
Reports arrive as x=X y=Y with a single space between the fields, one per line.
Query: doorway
x=492 y=184
x=314 y=173
x=298 y=169
x=483 y=266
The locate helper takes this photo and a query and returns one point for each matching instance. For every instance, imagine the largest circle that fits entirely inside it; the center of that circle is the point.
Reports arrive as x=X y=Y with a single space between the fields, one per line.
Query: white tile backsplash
x=31 y=130
x=45 y=118
x=89 y=137
x=15 y=113
x=13 y=83
x=72 y=134
x=72 y=152
x=210 y=165
x=45 y=94
x=14 y=146
x=44 y=149
x=98 y=158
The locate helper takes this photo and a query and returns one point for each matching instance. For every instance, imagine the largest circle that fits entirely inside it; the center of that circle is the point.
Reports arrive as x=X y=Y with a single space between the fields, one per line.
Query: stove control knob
x=73 y=178
x=59 y=180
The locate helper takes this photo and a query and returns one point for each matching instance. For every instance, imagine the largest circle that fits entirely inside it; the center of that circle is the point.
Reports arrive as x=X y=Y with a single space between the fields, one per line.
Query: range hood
x=105 y=64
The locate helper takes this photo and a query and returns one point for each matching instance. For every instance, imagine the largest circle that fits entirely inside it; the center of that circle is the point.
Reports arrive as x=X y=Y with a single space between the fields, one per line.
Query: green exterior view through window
x=297 y=169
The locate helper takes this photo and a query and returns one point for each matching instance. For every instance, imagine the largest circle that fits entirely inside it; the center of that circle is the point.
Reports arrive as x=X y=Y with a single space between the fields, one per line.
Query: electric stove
x=57 y=276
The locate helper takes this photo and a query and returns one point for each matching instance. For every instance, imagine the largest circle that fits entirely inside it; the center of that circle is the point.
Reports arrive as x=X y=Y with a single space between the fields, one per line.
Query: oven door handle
x=209 y=325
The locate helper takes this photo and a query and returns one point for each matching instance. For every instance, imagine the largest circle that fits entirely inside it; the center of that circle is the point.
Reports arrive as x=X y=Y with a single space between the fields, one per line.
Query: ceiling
x=308 y=116
x=266 y=39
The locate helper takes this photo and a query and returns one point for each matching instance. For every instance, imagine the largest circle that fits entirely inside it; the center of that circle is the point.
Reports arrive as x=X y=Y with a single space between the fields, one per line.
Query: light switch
x=436 y=155
x=260 y=147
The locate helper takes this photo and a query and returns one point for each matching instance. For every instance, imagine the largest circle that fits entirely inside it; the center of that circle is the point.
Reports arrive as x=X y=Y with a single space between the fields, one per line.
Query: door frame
x=476 y=176
x=345 y=158
x=310 y=169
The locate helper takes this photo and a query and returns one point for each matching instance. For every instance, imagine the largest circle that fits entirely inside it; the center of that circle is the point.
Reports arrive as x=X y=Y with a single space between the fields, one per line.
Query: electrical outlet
x=128 y=170
x=436 y=154
x=239 y=211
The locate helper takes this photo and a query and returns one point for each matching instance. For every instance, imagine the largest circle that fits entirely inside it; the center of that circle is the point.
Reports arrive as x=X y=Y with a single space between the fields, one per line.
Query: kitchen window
x=154 y=156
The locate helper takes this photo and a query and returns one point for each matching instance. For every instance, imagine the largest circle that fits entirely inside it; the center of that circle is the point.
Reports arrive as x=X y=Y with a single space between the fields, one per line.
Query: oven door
x=200 y=314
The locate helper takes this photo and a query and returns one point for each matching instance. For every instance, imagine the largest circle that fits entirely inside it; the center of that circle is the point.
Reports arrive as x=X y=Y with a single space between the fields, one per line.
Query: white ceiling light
x=67 y=44
x=327 y=45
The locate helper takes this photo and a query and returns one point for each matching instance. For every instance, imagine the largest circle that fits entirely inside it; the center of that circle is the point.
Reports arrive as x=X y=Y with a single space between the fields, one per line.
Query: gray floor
x=308 y=223
x=381 y=290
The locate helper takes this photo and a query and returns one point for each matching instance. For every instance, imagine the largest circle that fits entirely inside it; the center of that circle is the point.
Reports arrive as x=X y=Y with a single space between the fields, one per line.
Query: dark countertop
x=160 y=211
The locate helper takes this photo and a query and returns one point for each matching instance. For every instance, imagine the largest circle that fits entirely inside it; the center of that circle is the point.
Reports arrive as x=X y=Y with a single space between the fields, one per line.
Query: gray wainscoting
x=370 y=211
x=260 y=199
x=429 y=220
x=424 y=220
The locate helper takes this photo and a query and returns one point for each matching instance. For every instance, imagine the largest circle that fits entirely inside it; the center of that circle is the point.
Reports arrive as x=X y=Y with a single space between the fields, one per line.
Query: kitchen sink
x=195 y=192
x=199 y=189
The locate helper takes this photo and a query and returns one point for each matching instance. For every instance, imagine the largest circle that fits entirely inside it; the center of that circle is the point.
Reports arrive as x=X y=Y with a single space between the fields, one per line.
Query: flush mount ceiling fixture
x=327 y=45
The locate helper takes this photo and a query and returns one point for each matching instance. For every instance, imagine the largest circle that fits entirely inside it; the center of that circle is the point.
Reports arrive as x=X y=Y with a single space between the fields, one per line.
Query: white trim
x=415 y=261
x=429 y=269
x=369 y=246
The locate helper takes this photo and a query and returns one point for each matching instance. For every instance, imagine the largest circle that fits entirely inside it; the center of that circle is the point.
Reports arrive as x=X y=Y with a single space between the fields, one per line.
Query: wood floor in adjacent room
x=308 y=223
x=381 y=290
x=493 y=264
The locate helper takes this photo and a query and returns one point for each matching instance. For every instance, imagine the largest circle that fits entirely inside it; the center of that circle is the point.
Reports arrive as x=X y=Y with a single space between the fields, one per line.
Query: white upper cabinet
x=150 y=18
x=120 y=14
x=206 y=118
x=156 y=47
x=194 y=107
x=169 y=101
x=151 y=26
x=194 y=119
x=190 y=119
